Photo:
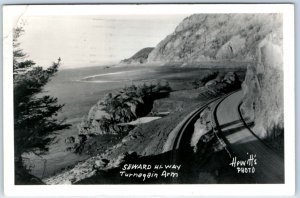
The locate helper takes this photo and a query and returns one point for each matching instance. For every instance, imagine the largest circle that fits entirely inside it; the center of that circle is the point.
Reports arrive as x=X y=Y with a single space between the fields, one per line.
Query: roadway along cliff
x=270 y=166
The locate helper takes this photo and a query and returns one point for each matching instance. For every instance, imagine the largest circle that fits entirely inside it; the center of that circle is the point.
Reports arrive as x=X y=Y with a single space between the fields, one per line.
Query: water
x=78 y=90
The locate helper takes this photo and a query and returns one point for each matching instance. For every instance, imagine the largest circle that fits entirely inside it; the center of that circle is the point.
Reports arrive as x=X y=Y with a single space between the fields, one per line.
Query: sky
x=83 y=41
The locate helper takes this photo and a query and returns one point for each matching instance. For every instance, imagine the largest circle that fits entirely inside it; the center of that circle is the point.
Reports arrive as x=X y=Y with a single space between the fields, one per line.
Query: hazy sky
x=93 y=40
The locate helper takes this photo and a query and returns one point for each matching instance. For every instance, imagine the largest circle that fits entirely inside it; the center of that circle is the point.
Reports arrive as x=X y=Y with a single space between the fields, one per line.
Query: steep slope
x=139 y=57
x=215 y=37
x=263 y=89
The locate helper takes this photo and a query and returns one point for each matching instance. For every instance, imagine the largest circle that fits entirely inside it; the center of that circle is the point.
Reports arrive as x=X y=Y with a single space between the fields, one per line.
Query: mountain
x=139 y=57
x=212 y=37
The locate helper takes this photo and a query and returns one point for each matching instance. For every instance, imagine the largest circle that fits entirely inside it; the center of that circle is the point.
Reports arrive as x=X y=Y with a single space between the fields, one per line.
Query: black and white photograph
x=160 y=94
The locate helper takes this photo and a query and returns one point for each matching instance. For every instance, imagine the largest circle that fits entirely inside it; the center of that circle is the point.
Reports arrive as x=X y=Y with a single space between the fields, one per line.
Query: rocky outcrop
x=215 y=37
x=90 y=124
x=110 y=114
x=222 y=84
x=201 y=127
x=139 y=57
x=263 y=88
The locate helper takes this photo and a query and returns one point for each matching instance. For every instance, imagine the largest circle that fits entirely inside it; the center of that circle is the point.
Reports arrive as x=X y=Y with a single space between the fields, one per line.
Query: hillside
x=215 y=37
x=139 y=57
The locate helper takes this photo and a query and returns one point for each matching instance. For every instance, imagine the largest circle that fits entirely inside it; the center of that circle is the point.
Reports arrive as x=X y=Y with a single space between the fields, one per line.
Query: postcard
x=149 y=99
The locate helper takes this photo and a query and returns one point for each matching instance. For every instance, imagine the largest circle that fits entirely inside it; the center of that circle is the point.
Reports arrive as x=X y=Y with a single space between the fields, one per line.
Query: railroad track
x=184 y=135
x=181 y=144
x=184 y=131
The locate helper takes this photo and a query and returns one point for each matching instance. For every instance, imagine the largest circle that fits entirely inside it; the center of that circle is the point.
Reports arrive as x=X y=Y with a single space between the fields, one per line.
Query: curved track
x=186 y=130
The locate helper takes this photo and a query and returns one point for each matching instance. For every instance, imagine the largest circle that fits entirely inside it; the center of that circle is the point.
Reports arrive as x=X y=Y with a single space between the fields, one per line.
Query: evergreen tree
x=34 y=114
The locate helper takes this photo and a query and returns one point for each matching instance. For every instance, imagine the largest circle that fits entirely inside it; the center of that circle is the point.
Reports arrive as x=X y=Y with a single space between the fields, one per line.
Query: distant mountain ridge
x=212 y=37
x=139 y=57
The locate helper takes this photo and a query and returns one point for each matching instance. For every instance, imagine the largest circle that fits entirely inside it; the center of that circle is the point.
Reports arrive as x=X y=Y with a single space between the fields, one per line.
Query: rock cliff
x=215 y=37
x=263 y=88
